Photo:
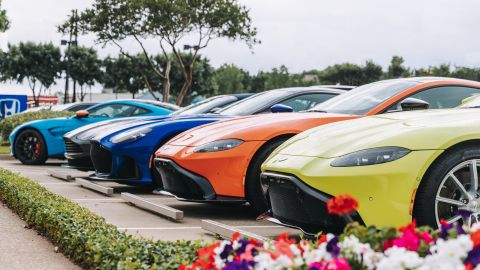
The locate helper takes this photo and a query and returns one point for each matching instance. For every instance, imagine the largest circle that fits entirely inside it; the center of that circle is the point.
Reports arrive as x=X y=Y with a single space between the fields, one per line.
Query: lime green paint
x=384 y=191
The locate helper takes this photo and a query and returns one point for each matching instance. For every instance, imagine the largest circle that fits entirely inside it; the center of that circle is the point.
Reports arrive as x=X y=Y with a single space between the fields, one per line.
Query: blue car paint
x=53 y=130
x=143 y=148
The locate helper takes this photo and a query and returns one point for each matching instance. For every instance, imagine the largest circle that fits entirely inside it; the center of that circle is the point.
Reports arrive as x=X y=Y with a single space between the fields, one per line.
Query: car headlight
x=130 y=136
x=370 y=156
x=216 y=146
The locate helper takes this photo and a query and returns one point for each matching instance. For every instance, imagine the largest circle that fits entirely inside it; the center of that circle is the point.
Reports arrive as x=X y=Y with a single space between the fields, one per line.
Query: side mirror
x=279 y=108
x=81 y=114
x=413 y=104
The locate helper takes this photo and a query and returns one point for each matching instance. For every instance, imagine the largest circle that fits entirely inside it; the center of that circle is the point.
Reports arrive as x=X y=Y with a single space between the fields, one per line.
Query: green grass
x=4 y=149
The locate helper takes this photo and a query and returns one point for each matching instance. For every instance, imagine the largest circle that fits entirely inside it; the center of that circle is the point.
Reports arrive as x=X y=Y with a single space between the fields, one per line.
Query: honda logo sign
x=12 y=104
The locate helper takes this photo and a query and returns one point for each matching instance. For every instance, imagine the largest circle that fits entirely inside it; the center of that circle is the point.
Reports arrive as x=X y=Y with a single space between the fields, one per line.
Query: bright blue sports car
x=34 y=142
x=126 y=155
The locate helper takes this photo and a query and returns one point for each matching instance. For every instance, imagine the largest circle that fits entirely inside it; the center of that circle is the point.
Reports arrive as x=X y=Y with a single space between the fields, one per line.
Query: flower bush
x=453 y=246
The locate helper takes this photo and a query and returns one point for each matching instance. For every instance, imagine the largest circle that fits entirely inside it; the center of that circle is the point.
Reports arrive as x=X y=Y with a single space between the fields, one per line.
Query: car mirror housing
x=279 y=108
x=413 y=104
x=81 y=114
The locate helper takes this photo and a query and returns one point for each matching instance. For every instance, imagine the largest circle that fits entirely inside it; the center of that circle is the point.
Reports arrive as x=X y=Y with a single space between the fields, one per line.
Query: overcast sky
x=308 y=34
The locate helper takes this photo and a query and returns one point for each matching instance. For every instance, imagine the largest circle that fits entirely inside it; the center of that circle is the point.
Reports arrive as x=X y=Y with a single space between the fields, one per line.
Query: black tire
x=253 y=184
x=30 y=147
x=425 y=199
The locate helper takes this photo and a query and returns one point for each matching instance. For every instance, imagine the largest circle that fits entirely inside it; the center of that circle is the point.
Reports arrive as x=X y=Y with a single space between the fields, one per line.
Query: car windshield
x=253 y=103
x=206 y=106
x=363 y=99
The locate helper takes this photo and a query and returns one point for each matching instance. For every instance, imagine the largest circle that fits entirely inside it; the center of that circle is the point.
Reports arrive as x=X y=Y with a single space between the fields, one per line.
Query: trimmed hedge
x=84 y=236
x=9 y=123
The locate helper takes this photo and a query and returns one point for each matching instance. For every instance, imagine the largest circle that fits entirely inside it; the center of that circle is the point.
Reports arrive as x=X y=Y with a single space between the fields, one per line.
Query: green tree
x=85 y=68
x=38 y=64
x=168 y=22
x=346 y=73
x=122 y=74
x=396 y=69
x=371 y=72
x=278 y=78
x=229 y=79
x=4 y=23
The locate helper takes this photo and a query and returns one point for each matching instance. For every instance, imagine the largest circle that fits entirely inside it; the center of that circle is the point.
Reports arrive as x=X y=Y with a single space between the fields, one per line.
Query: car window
x=112 y=110
x=140 y=111
x=306 y=101
x=441 y=97
x=79 y=107
x=365 y=98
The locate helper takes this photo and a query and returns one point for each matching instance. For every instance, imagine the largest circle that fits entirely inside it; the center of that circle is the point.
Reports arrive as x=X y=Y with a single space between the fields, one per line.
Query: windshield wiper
x=313 y=110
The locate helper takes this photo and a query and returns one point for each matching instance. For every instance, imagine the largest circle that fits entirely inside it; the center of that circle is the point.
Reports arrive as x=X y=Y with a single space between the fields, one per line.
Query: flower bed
x=451 y=247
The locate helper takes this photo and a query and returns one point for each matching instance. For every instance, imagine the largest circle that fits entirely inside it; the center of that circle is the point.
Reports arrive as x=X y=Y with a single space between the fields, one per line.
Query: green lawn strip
x=4 y=149
x=84 y=236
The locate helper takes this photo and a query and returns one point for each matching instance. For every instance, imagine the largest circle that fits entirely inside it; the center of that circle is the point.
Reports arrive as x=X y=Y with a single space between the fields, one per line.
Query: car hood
x=99 y=126
x=420 y=130
x=256 y=127
x=153 y=123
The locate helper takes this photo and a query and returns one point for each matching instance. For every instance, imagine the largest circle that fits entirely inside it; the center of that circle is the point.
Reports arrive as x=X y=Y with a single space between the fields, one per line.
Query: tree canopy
x=169 y=22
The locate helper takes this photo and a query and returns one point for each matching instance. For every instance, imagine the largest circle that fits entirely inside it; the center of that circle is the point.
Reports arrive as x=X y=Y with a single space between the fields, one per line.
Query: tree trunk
x=166 y=81
x=185 y=87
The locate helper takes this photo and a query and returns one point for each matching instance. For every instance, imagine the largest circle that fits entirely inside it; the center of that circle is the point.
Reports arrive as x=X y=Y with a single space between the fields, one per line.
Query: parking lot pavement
x=22 y=248
x=140 y=222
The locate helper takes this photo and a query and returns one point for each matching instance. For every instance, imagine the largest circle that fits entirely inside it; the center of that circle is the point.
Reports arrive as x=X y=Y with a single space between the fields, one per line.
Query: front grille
x=128 y=170
x=71 y=147
x=101 y=158
x=293 y=202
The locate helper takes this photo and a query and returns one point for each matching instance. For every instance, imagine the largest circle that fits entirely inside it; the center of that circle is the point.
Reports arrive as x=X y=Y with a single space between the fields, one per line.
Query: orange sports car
x=221 y=161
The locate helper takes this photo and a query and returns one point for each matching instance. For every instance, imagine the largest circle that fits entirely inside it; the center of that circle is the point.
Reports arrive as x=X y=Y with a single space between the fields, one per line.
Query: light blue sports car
x=34 y=142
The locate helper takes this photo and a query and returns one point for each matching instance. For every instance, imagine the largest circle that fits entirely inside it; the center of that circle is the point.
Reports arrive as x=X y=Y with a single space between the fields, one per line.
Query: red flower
x=342 y=204
x=475 y=237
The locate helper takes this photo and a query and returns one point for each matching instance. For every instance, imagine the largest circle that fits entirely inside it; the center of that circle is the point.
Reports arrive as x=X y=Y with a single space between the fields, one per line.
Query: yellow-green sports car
x=420 y=165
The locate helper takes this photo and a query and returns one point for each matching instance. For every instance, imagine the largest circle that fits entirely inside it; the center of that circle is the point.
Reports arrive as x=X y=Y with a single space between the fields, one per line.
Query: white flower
x=398 y=259
x=352 y=248
x=448 y=254
x=317 y=255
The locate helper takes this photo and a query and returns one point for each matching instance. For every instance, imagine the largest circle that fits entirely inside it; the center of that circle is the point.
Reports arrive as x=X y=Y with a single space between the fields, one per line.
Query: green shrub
x=84 y=236
x=9 y=123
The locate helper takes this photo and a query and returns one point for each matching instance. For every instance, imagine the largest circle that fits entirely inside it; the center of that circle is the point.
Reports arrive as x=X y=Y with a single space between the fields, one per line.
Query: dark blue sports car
x=126 y=155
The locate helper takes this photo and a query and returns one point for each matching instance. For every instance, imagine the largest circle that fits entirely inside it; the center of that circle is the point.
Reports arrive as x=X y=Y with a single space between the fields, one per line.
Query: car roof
x=427 y=79
x=312 y=89
x=337 y=86
x=149 y=102
x=241 y=95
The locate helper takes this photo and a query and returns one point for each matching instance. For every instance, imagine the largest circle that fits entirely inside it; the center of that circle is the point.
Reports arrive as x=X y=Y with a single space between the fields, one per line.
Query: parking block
x=160 y=209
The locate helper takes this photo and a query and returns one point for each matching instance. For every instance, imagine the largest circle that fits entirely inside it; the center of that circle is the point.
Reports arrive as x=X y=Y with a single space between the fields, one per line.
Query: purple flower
x=243 y=244
x=238 y=265
x=226 y=251
x=460 y=229
x=473 y=257
x=332 y=247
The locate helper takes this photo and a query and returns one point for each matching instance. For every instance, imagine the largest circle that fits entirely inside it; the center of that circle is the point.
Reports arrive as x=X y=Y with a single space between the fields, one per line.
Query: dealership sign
x=12 y=104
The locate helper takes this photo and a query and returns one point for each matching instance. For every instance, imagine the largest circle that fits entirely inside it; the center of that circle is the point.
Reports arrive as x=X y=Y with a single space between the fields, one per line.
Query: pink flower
x=336 y=264
x=247 y=255
x=408 y=240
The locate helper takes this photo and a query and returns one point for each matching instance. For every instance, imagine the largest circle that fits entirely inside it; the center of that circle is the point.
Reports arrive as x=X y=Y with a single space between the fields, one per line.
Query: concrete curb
x=6 y=157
